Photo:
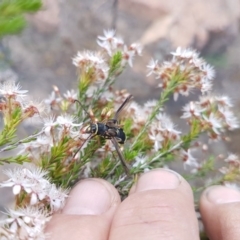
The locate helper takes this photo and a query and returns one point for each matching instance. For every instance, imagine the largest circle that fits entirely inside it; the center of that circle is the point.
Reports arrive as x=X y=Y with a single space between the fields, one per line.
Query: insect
x=110 y=129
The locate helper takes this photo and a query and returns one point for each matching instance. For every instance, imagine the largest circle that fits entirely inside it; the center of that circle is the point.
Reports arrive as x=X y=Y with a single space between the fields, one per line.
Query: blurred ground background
x=41 y=55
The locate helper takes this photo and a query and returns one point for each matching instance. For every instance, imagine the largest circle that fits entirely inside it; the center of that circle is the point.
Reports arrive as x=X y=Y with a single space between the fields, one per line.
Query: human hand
x=159 y=206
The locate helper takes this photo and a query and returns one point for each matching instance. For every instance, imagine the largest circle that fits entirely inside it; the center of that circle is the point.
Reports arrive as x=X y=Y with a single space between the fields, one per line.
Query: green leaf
x=20 y=159
x=11 y=25
x=12 y=12
x=115 y=63
x=29 y=5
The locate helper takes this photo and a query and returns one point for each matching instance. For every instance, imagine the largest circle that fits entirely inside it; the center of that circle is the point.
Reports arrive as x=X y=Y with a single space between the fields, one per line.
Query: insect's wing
x=114 y=141
x=124 y=104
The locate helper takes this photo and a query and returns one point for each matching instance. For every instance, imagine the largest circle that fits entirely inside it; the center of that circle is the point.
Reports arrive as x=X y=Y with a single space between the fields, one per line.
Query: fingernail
x=222 y=194
x=89 y=197
x=158 y=179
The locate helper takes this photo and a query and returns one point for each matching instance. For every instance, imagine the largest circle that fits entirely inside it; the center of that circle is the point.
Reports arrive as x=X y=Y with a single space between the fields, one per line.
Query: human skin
x=159 y=206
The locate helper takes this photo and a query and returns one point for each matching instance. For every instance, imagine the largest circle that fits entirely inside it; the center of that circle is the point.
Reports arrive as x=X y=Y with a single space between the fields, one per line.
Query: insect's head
x=92 y=128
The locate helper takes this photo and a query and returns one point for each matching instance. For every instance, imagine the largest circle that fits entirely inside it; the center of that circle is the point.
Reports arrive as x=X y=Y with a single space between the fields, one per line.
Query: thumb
x=160 y=206
x=87 y=213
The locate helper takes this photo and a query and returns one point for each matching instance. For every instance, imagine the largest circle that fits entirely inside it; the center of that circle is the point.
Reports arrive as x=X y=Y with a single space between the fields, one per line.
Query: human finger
x=88 y=212
x=220 y=211
x=160 y=206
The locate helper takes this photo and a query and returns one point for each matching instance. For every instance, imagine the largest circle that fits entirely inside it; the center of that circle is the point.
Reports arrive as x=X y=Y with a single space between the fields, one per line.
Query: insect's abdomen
x=121 y=136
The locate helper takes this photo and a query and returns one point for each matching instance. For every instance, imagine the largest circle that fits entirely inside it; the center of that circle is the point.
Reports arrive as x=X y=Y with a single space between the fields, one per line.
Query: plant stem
x=163 y=98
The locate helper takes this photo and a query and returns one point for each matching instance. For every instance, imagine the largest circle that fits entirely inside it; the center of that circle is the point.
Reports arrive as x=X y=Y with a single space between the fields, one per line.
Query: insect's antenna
x=82 y=108
x=127 y=100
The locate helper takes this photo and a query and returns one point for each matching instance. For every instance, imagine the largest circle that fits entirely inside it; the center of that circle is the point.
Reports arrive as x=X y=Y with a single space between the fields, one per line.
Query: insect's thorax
x=107 y=131
x=101 y=129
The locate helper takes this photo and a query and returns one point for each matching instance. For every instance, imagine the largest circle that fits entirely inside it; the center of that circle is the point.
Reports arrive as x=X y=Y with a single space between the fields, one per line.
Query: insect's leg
x=124 y=164
x=89 y=137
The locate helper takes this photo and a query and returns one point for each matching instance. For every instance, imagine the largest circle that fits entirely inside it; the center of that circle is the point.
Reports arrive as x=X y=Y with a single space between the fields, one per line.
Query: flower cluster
x=56 y=101
x=54 y=133
x=16 y=109
x=34 y=182
x=231 y=172
x=13 y=98
x=186 y=71
x=112 y=44
x=9 y=89
x=137 y=113
x=92 y=64
x=24 y=223
x=213 y=114
x=162 y=132
x=97 y=68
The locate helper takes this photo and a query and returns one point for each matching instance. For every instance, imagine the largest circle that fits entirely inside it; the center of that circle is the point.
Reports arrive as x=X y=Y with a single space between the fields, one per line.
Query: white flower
x=232 y=158
x=92 y=61
x=214 y=123
x=42 y=144
x=26 y=223
x=70 y=95
x=25 y=179
x=188 y=159
x=49 y=124
x=67 y=127
x=34 y=182
x=186 y=69
x=192 y=109
x=136 y=48
x=137 y=113
x=206 y=86
x=140 y=162
x=33 y=107
x=229 y=118
x=108 y=35
x=153 y=67
x=209 y=71
x=185 y=53
x=150 y=104
x=184 y=90
x=109 y=42
x=206 y=101
x=168 y=128
x=224 y=101
x=130 y=52
x=67 y=121
x=10 y=89
x=57 y=197
x=88 y=59
x=127 y=56
x=157 y=139
x=53 y=99
x=162 y=131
